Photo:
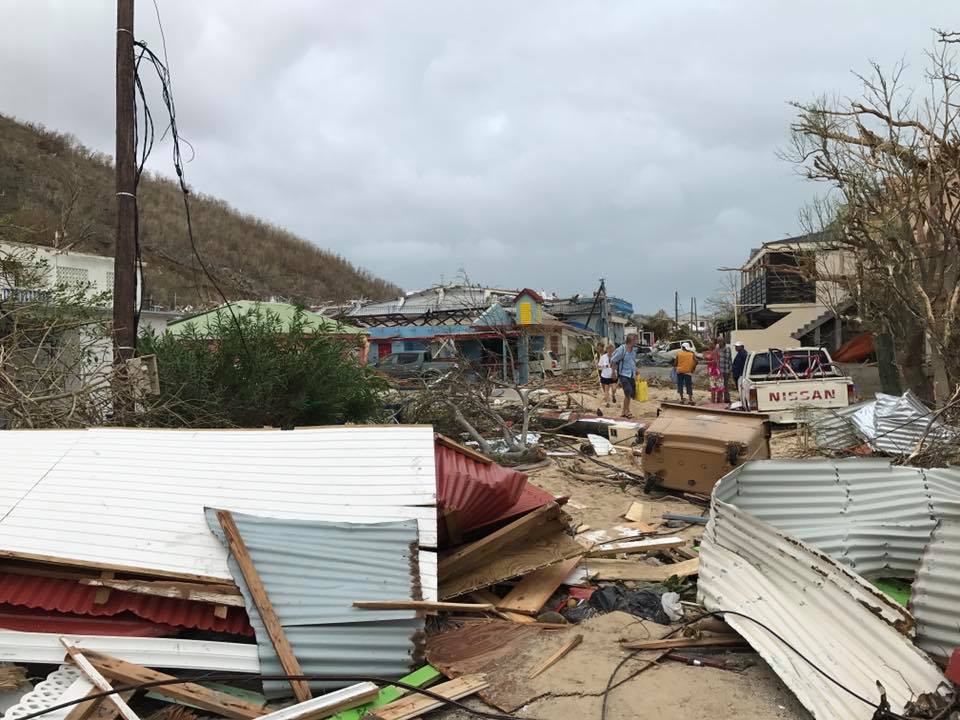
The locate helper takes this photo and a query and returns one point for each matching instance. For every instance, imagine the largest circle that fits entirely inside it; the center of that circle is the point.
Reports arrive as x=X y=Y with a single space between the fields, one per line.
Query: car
x=413 y=363
x=544 y=362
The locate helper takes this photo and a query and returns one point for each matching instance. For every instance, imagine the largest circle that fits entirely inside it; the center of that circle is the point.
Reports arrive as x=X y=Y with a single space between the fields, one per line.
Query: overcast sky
x=543 y=144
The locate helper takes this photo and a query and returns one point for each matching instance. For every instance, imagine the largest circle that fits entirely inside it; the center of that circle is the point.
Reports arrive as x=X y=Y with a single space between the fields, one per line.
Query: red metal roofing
x=69 y=596
x=46 y=621
x=530 y=499
x=479 y=492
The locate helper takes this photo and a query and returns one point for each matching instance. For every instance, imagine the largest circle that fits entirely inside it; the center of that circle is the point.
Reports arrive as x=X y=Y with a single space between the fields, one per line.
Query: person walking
x=724 y=361
x=739 y=366
x=713 y=371
x=685 y=363
x=608 y=379
x=625 y=358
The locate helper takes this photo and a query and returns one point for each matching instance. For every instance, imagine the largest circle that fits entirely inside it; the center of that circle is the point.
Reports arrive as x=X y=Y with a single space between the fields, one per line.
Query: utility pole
x=125 y=255
x=676 y=308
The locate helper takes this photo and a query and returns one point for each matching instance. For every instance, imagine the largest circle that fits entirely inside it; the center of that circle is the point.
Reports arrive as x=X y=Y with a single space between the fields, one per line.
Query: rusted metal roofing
x=313 y=572
x=49 y=621
x=479 y=492
x=790 y=543
x=69 y=596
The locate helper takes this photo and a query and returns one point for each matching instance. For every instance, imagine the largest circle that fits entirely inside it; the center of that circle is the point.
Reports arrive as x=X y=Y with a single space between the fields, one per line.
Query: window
x=72 y=275
x=407 y=358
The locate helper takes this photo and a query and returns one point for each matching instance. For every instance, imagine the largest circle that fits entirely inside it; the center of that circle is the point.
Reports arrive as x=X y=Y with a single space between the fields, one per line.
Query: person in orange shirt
x=685 y=363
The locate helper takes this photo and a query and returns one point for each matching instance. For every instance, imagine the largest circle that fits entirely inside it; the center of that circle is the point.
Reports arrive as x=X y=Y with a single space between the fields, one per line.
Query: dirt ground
x=574 y=686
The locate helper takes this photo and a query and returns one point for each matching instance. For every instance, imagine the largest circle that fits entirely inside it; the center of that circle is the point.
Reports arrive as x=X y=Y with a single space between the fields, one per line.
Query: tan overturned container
x=689 y=448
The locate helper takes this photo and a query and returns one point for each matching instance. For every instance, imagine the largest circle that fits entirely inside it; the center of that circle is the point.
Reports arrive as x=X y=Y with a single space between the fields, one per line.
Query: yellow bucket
x=641 y=394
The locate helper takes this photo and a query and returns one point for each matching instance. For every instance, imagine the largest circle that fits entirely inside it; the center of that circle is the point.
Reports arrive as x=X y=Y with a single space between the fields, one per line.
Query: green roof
x=285 y=311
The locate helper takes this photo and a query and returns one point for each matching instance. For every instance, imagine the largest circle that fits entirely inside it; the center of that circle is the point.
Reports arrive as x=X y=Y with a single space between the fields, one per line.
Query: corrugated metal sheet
x=313 y=572
x=69 y=596
x=838 y=621
x=63 y=684
x=790 y=543
x=833 y=428
x=49 y=621
x=479 y=492
x=935 y=599
x=135 y=497
x=896 y=425
x=24 y=647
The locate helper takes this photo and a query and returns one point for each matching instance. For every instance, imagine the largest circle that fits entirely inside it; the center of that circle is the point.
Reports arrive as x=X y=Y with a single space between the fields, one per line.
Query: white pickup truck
x=779 y=383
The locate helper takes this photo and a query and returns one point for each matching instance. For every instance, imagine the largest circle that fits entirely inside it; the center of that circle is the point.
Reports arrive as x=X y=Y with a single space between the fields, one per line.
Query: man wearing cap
x=739 y=365
x=685 y=363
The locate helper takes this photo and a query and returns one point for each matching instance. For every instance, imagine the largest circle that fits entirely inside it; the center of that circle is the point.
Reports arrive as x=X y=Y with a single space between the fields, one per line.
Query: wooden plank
x=515 y=560
x=428 y=606
x=197 y=695
x=556 y=656
x=529 y=527
x=416 y=705
x=329 y=704
x=638 y=512
x=98 y=566
x=669 y=644
x=632 y=547
x=217 y=594
x=103 y=594
x=98 y=680
x=485 y=596
x=530 y=594
x=633 y=570
x=462 y=449
x=83 y=710
x=451 y=521
x=288 y=660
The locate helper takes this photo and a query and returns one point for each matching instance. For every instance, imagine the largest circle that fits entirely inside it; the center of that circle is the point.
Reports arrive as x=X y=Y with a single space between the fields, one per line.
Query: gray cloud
x=540 y=143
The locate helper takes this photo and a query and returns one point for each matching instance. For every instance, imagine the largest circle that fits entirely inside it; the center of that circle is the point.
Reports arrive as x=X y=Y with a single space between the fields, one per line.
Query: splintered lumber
x=462 y=449
x=216 y=594
x=556 y=656
x=636 y=546
x=427 y=605
x=197 y=695
x=98 y=709
x=416 y=705
x=288 y=660
x=329 y=704
x=672 y=643
x=633 y=570
x=530 y=594
x=487 y=597
x=470 y=556
x=424 y=677
x=98 y=680
x=638 y=512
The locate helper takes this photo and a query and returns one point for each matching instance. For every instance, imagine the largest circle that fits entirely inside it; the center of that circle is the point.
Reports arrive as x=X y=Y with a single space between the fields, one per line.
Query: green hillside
x=60 y=193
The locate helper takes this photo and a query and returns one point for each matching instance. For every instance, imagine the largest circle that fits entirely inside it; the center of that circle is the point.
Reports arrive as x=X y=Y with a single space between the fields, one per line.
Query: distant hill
x=63 y=194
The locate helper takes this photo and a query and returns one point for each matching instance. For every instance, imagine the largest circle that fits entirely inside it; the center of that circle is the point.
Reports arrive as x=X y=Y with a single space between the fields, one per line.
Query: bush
x=254 y=371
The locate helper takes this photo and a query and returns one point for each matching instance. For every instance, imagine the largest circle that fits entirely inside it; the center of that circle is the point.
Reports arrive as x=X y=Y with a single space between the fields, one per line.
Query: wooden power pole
x=125 y=254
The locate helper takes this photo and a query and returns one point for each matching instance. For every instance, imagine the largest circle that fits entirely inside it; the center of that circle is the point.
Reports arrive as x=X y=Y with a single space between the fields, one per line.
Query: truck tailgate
x=774 y=395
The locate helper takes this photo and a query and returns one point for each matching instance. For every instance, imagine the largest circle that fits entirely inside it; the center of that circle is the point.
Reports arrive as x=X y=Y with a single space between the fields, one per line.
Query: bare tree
x=893 y=166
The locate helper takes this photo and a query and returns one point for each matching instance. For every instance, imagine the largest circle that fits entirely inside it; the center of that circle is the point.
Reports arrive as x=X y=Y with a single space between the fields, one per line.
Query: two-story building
x=791 y=294
x=606 y=316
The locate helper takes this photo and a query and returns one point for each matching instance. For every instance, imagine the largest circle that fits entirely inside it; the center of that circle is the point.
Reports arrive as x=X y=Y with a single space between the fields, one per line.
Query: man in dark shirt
x=739 y=364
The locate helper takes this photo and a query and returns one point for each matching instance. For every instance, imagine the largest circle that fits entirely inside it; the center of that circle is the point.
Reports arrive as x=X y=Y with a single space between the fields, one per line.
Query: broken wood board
x=533 y=591
x=424 y=677
x=519 y=559
x=608 y=569
x=416 y=704
x=329 y=704
x=673 y=643
x=99 y=681
x=639 y=512
x=542 y=521
x=485 y=596
x=216 y=594
x=428 y=606
x=281 y=645
x=197 y=695
x=98 y=709
x=631 y=547
x=462 y=449
x=557 y=655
